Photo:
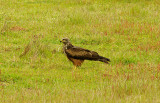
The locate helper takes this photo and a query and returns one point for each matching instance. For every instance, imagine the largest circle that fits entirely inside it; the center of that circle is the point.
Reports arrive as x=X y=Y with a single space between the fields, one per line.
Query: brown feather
x=76 y=62
x=81 y=53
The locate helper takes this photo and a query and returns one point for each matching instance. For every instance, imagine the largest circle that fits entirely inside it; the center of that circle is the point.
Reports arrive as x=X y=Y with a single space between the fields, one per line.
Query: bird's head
x=65 y=41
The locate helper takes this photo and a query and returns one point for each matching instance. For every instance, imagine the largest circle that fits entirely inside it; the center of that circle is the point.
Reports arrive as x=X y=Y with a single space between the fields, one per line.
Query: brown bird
x=77 y=55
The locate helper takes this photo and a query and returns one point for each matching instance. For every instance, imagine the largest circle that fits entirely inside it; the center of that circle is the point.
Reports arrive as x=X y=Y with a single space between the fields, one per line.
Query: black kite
x=77 y=55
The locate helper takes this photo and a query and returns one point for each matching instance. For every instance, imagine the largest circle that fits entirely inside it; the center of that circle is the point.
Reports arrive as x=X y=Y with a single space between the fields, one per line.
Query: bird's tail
x=103 y=59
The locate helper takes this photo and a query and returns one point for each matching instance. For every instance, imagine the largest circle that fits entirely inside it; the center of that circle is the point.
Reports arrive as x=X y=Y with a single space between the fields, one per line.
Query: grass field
x=33 y=68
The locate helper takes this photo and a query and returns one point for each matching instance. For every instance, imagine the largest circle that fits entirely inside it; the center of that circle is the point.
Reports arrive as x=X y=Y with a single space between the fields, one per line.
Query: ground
x=34 y=68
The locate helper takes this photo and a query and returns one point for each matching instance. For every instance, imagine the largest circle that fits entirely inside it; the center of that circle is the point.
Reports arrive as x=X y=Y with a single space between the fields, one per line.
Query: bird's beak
x=61 y=41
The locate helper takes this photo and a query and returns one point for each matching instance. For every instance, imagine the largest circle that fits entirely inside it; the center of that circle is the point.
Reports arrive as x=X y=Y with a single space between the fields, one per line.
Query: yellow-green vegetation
x=33 y=68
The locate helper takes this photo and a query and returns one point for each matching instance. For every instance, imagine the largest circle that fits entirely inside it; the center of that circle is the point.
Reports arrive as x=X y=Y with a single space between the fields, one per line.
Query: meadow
x=33 y=68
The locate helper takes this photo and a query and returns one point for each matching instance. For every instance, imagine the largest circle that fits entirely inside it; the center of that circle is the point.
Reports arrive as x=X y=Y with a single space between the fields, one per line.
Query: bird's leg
x=74 y=71
x=75 y=67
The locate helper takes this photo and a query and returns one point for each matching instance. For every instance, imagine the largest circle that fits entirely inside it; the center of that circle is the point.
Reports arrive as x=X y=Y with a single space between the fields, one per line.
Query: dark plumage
x=77 y=55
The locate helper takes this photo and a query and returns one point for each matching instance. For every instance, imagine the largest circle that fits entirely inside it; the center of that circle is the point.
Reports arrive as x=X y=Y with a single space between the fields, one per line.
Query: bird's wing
x=80 y=53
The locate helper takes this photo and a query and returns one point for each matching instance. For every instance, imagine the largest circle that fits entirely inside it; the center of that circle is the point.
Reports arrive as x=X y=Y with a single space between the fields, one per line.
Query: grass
x=34 y=69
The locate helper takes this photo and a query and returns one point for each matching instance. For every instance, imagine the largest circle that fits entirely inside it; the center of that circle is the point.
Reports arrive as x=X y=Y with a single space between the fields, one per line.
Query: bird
x=77 y=55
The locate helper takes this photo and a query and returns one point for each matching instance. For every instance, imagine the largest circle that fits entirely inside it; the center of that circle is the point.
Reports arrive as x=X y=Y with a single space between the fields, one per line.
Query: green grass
x=126 y=31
